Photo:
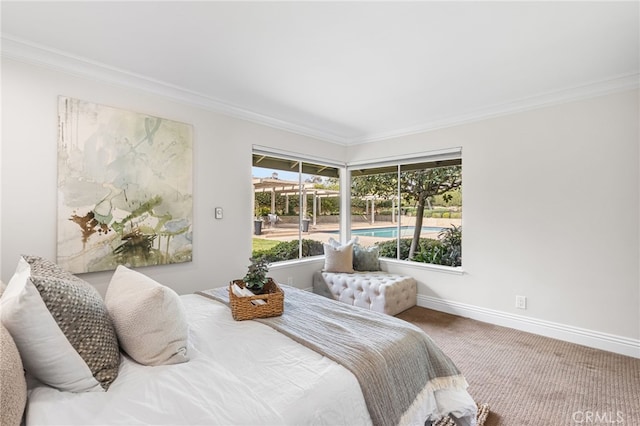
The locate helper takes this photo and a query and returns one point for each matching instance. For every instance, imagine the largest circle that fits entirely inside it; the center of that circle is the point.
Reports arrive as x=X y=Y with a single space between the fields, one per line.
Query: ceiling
x=347 y=72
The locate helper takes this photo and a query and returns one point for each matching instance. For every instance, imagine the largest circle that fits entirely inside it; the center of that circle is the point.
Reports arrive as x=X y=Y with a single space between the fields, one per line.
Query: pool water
x=392 y=231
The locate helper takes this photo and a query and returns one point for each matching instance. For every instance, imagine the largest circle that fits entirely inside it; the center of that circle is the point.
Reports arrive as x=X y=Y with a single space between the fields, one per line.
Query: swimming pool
x=392 y=231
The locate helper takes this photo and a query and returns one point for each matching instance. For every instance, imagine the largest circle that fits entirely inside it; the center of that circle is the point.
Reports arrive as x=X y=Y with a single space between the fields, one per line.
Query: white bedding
x=240 y=373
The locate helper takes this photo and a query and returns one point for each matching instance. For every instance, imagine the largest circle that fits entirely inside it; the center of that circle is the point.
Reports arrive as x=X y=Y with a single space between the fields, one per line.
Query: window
x=411 y=208
x=296 y=206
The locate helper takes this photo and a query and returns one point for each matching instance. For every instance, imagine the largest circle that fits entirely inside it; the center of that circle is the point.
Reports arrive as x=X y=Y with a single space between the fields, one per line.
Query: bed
x=240 y=373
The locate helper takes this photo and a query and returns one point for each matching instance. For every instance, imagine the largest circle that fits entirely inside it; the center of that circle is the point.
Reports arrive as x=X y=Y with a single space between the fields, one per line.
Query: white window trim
x=345 y=196
x=296 y=156
x=456 y=270
x=429 y=156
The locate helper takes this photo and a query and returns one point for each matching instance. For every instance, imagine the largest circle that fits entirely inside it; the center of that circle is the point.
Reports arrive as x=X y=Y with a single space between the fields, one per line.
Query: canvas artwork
x=124 y=188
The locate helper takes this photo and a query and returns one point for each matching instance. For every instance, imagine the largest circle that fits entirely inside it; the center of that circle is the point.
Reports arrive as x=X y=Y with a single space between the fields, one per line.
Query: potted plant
x=264 y=299
x=256 y=276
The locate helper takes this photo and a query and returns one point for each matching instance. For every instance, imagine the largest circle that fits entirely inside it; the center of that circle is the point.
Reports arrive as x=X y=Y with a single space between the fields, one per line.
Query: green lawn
x=263 y=244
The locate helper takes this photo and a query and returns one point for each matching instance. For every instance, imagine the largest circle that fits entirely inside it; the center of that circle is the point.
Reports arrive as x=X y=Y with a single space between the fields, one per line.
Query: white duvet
x=240 y=373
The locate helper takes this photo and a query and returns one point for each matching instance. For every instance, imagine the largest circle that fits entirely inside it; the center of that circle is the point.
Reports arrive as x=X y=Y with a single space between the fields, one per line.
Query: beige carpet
x=528 y=379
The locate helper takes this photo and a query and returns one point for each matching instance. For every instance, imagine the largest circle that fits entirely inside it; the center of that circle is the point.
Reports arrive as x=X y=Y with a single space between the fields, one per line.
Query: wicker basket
x=243 y=309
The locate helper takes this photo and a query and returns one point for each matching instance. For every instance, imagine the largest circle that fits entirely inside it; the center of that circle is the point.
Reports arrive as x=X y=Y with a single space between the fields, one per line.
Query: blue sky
x=260 y=172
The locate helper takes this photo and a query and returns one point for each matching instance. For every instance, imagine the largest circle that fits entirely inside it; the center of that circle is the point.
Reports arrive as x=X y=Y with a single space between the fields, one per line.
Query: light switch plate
x=218 y=212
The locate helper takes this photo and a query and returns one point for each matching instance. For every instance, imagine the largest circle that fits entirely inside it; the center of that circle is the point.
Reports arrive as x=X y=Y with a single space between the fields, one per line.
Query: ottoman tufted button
x=378 y=291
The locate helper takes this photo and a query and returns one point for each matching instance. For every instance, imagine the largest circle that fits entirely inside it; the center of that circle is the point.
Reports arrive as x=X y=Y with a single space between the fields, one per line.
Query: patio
x=322 y=227
x=287 y=228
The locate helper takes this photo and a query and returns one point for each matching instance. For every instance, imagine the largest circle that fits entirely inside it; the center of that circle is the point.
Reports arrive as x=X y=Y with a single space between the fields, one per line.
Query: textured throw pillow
x=13 y=392
x=366 y=258
x=60 y=326
x=149 y=318
x=338 y=259
x=335 y=243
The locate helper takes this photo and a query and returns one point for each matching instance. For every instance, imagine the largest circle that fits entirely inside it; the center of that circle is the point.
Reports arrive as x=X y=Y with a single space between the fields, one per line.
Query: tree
x=422 y=184
x=415 y=186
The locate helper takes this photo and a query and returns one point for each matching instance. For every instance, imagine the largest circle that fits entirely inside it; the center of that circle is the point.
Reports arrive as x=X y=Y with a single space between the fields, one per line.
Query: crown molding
x=26 y=51
x=576 y=93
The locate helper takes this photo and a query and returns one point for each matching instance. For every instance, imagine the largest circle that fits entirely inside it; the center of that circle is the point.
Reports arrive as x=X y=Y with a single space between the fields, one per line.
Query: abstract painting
x=124 y=188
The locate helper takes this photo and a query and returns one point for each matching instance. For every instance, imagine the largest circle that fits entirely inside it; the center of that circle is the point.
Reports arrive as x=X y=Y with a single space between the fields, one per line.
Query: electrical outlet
x=521 y=302
x=218 y=212
x=289 y=280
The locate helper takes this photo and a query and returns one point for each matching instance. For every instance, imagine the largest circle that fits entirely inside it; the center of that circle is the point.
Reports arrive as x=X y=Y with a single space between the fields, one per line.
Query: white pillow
x=149 y=318
x=338 y=259
x=60 y=326
x=337 y=244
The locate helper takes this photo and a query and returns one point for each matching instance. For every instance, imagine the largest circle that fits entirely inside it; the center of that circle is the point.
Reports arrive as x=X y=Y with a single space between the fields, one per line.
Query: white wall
x=222 y=174
x=550 y=211
x=564 y=179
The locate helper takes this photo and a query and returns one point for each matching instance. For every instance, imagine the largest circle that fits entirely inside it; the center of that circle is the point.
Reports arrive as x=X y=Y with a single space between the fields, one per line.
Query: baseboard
x=567 y=333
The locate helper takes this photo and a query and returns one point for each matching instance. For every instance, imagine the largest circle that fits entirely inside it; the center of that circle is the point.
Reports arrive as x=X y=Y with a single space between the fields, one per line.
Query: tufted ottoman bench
x=378 y=291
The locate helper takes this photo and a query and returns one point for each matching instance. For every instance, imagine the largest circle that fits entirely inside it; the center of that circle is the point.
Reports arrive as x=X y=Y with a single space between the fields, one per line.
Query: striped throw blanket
x=393 y=361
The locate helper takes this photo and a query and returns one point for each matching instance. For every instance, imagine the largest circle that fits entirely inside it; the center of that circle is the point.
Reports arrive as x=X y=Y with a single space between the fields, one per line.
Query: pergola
x=371 y=200
x=292 y=188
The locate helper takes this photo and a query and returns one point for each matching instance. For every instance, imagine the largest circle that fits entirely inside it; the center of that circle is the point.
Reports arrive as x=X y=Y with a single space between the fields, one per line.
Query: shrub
x=262 y=211
x=389 y=248
x=446 y=215
x=288 y=250
x=429 y=252
x=409 y=211
x=451 y=239
x=446 y=250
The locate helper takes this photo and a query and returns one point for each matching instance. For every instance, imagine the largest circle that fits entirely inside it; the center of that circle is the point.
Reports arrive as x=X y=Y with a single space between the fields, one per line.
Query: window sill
x=457 y=270
x=296 y=262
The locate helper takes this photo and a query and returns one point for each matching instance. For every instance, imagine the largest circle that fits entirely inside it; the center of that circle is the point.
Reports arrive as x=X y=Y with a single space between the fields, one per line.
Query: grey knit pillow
x=61 y=327
x=366 y=258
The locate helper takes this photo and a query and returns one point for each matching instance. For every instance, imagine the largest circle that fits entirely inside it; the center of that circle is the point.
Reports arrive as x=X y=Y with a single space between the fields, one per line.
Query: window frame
x=306 y=165
x=438 y=158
